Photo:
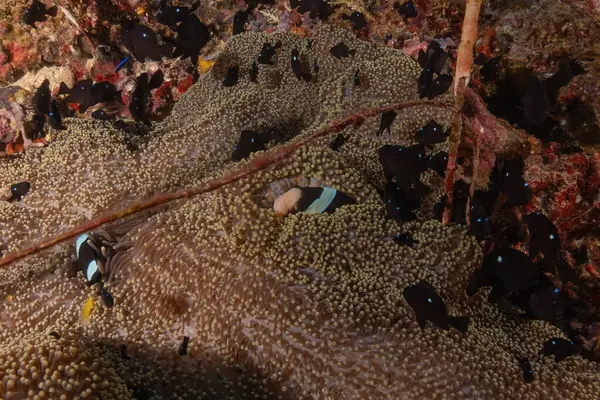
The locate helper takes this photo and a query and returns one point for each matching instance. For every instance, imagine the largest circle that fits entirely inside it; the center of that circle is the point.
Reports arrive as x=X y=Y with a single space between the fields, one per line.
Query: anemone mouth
x=266 y=196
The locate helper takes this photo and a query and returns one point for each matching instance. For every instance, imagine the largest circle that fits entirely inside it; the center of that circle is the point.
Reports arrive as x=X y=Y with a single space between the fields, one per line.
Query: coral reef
x=304 y=306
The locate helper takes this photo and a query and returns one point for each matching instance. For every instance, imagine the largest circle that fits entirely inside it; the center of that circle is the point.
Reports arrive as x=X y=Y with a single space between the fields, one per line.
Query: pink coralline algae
x=567 y=189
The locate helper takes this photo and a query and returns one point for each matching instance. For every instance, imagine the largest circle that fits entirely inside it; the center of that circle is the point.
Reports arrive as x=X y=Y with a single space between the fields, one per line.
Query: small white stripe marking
x=320 y=204
x=80 y=240
x=91 y=270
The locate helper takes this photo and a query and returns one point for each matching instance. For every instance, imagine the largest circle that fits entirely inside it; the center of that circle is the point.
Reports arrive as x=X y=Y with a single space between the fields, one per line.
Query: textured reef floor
x=301 y=305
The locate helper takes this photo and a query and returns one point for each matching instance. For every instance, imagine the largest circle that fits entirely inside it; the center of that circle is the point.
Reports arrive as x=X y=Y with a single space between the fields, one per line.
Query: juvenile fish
x=18 y=190
x=406 y=9
x=405 y=239
x=231 y=77
x=37 y=12
x=357 y=20
x=340 y=51
x=192 y=36
x=183 y=348
x=297 y=67
x=42 y=98
x=250 y=142
x=55 y=116
x=560 y=348
x=431 y=133
x=429 y=306
x=386 y=122
x=267 y=52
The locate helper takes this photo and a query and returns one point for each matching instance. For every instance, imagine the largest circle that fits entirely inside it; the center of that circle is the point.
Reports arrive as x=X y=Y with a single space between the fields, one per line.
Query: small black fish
x=439 y=207
x=480 y=225
x=184 y=346
x=101 y=115
x=267 y=52
x=356 y=78
x=121 y=125
x=396 y=210
x=239 y=22
x=387 y=38
x=438 y=163
x=105 y=91
x=403 y=164
x=424 y=82
x=315 y=8
x=250 y=142
x=337 y=142
x=231 y=77
x=434 y=57
x=253 y=72
x=340 y=51
x=38 y=131
x=409 y=198
x=316 y=68
x=528 y=375
x=141 y=95
x=357 y=19
x=506 y=269
x=54 y=335
x=318 y=200
x=18 y=190
x=42 y=98
x=55 y=116
x=536 y=103
x=107 y=298
x=560 y=348
x=124 y=355
x=405 y=239
x=297 y=67
x=429 y=306
x=565 y=272
x=543 y=236
x=37 y=12
x=406 y=9
x=192 y=36
x=386 y=121
x=459 y=202
x=547 y=304
x=513 y=185
x=439 y=86
x=431 y=133
x=172 y=15
x=81 y=93
x=144 y=43
x=489 y=68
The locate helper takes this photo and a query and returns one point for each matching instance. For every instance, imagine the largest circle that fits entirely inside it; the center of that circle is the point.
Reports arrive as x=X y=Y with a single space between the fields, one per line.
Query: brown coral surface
x=305 y=306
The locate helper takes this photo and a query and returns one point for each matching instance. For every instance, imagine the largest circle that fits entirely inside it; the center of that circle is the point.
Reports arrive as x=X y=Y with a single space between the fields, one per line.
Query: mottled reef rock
x=306 y=306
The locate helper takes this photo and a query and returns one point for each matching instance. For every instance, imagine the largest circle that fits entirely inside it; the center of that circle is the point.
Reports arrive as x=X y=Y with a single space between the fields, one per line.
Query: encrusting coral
x=302 y=306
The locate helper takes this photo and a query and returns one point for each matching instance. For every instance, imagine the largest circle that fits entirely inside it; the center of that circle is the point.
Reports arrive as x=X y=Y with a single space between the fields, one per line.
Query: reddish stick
x=464 y=63
x=267 y=159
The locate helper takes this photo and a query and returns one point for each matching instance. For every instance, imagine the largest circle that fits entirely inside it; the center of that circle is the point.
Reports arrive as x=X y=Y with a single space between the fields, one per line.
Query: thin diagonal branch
x=464 y=62
x=258 y=163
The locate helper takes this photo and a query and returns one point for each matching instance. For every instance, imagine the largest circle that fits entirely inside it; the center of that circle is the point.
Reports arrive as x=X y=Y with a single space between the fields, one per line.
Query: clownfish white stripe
x=80 y=240
x=91 y=270
x=320 y=205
